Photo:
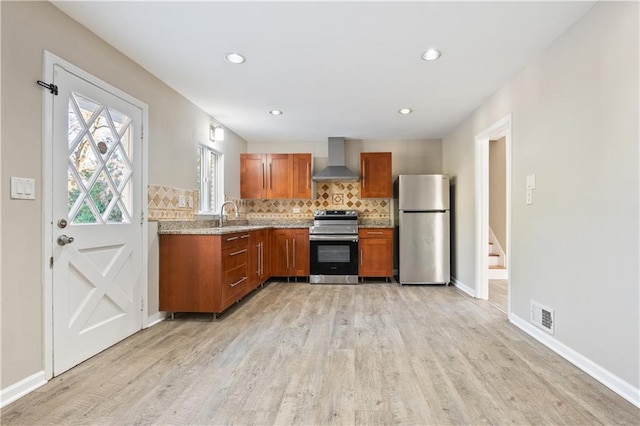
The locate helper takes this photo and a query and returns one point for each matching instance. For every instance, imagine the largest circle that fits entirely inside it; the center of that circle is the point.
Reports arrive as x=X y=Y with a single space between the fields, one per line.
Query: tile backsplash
x=163 y=204
x=329 y=195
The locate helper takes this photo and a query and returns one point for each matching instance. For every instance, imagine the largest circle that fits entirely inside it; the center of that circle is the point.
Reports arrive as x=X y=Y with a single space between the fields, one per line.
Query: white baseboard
x=599 y=373
x=21 y=388
x=156 y=318
x=464 y=288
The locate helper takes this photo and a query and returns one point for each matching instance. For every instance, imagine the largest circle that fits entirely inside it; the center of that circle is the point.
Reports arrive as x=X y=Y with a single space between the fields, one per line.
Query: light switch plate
x=23 y=188
x=190 y=201
x=531 y=181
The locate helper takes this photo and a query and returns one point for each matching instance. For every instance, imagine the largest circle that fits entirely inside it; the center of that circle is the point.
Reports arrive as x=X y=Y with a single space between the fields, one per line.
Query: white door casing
x=501 y=128
x=98 y=187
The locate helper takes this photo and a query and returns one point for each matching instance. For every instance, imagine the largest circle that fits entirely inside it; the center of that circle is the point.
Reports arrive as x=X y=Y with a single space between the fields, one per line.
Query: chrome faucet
x=222 y=211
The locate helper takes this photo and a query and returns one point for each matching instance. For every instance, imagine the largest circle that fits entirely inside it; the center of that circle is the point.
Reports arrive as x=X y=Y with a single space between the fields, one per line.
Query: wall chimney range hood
x=337 y=170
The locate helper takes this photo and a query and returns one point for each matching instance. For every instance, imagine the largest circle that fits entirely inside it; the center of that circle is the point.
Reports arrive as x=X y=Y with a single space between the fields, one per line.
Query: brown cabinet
x=375 y=247
x=203 y=273
x=275 y=176
x=302 y=184
x=258 y=258
x=290 y=252
x=375 y=175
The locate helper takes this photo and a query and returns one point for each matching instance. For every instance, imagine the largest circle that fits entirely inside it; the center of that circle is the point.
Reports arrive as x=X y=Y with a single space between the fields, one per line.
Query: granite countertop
x=210 y=227
x=201 y=227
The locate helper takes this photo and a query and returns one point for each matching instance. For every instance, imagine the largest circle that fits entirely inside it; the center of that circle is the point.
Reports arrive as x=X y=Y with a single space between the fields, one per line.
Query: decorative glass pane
x=101 y=131
x=99 y=162
x=75 y=127
x=84 y=160
x=84 y=215
x=119 y=119
x=87 y=107
x=118 y=167
x=116 y=215
x=101 y=193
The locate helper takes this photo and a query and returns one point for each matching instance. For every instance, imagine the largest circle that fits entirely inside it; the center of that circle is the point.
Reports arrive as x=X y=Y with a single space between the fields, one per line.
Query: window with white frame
x=209 y=179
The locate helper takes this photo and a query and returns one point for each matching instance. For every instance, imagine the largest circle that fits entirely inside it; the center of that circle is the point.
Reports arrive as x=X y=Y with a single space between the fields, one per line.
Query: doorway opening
x=500 y=133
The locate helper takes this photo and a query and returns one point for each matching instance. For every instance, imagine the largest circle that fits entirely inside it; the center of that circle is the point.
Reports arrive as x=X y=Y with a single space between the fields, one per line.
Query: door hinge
x=142 y=218
x=51 y=262
x=50 y=87
x=141 y=304
x=142 y=131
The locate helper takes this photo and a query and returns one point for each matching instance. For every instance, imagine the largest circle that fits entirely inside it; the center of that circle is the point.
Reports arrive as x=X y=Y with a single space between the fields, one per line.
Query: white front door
x=97 y=219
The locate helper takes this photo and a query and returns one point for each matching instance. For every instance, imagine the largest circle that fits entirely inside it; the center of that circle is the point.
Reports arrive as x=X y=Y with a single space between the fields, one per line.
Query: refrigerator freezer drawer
x=424 y=248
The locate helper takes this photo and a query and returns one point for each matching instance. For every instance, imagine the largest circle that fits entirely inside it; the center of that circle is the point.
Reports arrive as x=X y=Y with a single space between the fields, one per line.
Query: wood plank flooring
x=498 y=293
x=294 y=353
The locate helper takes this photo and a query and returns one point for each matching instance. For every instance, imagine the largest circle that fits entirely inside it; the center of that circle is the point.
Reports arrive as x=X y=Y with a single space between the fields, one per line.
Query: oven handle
x=353 y=238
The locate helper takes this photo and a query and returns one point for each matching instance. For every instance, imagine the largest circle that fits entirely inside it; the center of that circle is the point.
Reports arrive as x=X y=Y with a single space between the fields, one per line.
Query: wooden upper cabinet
x=279 y=174
x=273 y=176
x=253 y=176
x=375 y=175
x=301 y=176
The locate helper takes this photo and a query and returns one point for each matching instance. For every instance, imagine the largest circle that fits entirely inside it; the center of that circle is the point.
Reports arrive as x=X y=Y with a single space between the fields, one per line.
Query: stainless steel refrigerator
x=421 y=216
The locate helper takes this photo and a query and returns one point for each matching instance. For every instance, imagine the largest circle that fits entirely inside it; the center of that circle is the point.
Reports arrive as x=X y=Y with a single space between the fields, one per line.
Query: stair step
x=494 y=254
x=496 y=267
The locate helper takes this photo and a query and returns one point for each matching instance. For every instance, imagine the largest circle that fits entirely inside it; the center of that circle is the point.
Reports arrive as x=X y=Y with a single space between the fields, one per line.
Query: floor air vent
x=542 y=317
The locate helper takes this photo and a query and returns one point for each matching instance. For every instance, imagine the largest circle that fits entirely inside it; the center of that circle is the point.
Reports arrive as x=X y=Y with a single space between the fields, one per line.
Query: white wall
x=575 y=125
x=175 y=128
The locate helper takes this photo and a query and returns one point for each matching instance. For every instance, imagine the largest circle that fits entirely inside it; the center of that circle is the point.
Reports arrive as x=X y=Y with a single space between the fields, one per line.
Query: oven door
x=333 y=254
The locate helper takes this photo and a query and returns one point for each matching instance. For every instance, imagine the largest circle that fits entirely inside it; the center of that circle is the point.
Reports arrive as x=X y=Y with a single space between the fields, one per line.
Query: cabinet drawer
x=239 y=239
x=384 y=233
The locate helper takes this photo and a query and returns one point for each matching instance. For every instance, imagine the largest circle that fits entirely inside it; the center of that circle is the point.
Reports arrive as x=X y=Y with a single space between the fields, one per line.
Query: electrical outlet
x=190 y=201
x=182 y=202
x=296 y=210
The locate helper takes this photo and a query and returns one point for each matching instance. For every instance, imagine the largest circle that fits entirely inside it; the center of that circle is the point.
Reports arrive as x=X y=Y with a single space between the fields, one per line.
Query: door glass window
x=99 y=172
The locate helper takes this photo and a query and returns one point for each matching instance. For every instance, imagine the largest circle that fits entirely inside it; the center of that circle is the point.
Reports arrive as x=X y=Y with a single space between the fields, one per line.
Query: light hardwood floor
x=498 y=293
x=295 y=353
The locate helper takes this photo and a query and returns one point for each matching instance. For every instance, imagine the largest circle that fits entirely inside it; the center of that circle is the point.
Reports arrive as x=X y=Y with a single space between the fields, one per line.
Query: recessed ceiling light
x=275 y=112
x=405 y=111
x=431 y=55
x=235 y=58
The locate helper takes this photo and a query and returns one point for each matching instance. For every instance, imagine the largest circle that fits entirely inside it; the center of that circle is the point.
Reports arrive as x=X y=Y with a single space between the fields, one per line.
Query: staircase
x=497 y=264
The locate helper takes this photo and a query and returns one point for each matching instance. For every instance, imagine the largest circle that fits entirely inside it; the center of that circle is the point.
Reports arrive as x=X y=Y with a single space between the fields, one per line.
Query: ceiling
x=334 y=68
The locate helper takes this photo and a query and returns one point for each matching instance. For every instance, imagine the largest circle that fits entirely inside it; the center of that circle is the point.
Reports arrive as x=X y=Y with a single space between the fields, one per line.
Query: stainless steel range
x=334 y=247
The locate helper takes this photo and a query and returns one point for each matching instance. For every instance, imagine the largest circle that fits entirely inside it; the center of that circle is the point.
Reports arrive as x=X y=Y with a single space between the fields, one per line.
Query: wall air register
x=542 y=317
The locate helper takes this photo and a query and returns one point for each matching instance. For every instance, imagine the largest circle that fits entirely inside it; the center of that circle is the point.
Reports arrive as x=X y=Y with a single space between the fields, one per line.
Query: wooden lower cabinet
x=375 y=248
x=290 y=252
x=258 y=258
x=203 y=273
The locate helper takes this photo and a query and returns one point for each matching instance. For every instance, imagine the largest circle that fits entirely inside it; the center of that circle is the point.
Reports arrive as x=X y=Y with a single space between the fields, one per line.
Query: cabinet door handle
x=294 y=252
x=232 y=238
x=270 y=175
x=235 y=253
x=287 y=251
x=374 y=233
x=364 y=174
x=244 y=236
x=262 y=175
x=237 y=282
x=308 y=173
x=361 y=257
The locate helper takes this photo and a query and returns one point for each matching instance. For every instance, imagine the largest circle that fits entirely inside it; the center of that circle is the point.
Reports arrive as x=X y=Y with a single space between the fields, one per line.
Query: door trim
x=49 y=60
x=499 y=129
